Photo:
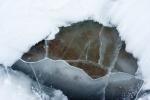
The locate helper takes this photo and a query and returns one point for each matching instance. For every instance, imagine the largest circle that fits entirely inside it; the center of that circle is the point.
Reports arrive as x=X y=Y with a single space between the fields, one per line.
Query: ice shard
x=75 y=83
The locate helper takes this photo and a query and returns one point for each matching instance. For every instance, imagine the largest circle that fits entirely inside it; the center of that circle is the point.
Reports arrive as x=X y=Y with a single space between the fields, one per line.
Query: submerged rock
x=87 y=45
x=82 y=45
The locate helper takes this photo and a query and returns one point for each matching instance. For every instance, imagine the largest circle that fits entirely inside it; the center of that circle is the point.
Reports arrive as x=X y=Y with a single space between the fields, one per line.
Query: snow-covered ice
x=26 y=22
x=15 y=86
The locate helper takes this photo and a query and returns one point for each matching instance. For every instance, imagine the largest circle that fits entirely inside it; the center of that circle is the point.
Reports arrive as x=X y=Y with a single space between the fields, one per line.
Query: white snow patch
x=15 y=87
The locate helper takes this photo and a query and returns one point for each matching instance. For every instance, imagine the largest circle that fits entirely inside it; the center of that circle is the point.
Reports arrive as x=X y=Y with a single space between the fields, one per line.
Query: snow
x=23 y=23
x=15 y=86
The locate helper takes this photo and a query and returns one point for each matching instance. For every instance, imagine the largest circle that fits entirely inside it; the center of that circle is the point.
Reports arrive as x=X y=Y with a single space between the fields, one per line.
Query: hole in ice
x=83 y=46
x=89 y=46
